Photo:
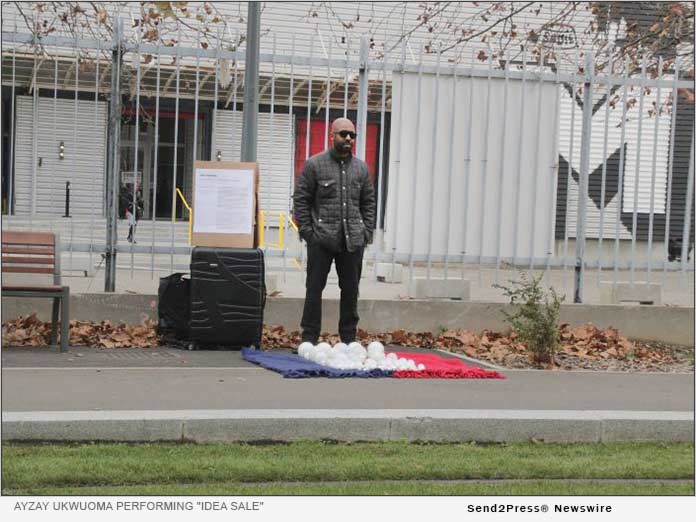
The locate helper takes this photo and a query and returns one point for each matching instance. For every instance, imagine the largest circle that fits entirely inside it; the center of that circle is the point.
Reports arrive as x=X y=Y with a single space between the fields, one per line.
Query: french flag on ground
x=293 y=366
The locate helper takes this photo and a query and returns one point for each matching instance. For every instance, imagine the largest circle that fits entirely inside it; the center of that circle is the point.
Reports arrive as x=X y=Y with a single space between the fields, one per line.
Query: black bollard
x=67 y=199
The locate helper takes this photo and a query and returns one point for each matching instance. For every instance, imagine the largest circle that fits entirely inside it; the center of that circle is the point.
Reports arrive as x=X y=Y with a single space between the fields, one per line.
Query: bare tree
x=618 y=32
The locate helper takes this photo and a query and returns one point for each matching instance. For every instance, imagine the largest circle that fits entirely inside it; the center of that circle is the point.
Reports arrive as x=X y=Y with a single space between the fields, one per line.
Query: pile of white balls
x=354 y=356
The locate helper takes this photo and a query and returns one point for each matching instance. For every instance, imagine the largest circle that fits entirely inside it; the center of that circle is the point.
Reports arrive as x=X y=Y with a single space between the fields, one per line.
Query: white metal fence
x=521 y=164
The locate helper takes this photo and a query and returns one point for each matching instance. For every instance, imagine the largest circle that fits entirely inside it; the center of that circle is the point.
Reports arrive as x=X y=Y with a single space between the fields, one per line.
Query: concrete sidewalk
x=168 y=394
x=677 y=287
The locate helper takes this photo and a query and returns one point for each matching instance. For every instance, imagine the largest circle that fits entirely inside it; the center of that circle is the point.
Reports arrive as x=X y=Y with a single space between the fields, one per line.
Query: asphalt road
x=170 y=379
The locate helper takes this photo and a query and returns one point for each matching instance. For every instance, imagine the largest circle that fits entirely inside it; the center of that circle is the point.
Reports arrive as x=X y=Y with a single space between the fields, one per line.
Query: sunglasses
x=345 y=134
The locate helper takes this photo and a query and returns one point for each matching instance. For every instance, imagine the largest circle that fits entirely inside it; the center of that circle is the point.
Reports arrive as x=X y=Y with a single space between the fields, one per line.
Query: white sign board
x=127 y=177
x=223 y=201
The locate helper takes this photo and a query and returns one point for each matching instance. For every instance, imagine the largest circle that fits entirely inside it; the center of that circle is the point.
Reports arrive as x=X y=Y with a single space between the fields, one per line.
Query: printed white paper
x=223 y=201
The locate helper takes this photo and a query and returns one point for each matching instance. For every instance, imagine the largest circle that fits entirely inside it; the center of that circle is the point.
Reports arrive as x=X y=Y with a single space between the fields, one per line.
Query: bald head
x=343 y=133
x=340 y=124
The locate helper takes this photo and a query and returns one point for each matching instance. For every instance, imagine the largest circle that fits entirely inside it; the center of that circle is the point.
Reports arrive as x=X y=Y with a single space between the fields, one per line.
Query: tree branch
x=483 y=31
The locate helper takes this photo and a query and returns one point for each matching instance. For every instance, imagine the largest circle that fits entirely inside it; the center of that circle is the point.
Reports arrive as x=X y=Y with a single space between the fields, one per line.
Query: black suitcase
x=173 y=306
x=228 y=295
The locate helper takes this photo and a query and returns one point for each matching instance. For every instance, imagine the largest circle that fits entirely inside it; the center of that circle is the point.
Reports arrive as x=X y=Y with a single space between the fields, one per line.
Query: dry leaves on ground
x=581 y=347
x=585 y=346
x=31 y=331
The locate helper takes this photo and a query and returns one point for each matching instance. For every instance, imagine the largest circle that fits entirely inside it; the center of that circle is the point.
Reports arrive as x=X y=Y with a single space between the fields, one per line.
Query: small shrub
x=536 y=317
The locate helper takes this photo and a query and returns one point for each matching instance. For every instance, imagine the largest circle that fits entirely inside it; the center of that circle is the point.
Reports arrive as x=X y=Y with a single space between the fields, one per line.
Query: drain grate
x=141 y=355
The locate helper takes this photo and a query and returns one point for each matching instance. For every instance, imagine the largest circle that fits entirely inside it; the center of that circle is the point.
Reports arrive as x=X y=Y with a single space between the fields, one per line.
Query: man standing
x=335 y=213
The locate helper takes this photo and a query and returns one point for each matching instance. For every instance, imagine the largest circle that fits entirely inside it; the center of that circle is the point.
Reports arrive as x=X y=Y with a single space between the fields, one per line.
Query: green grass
x=411 y=487
x=359 y=468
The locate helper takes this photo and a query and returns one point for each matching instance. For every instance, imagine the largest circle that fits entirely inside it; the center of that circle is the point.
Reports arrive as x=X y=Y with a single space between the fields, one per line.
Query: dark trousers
x=348 y=267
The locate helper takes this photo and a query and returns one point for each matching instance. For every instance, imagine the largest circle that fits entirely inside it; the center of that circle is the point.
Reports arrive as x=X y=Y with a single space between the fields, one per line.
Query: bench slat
x=30 y=247
x=25 y=288
x=38 y=260
x=27 y=250
x=28 y=238
x=28 y=269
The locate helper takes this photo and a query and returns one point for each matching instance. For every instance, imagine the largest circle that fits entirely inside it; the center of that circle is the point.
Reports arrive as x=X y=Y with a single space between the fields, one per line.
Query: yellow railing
x=262 y=227
x=281 y=230
x=183 y=199
x=297 y=264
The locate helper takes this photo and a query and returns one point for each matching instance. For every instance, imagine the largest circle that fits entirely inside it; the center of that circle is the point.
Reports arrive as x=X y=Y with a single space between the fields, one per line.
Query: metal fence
x=506 y=165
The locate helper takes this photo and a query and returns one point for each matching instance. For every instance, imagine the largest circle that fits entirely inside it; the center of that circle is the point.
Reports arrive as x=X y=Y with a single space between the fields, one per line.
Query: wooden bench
x=38 y=253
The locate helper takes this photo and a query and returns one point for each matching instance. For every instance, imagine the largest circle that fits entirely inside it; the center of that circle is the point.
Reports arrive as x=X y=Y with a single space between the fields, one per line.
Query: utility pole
x=584 y=177
x=363 y=87
x=113 y=161
x=251 y=83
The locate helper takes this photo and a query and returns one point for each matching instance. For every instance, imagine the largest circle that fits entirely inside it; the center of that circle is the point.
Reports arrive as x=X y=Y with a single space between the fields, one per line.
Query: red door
x=317 y=131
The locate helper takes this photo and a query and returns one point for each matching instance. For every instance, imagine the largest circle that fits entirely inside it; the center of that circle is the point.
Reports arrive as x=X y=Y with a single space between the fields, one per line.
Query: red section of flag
x=437 y=367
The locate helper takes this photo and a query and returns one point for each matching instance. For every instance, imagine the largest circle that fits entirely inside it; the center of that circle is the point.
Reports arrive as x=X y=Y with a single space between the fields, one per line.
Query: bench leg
x=54 y=321
x=65 y=321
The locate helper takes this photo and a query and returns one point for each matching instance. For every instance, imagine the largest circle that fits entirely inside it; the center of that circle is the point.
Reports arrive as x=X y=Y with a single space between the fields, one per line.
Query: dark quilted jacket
x=329 y=193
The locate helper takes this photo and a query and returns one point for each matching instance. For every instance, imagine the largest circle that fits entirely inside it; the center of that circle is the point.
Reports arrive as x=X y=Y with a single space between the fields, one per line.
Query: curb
x=349 y=425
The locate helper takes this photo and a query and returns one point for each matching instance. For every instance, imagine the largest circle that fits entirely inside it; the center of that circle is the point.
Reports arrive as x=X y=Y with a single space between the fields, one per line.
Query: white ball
x=354 y=344
x=341 y=347
x=421 y=367
x=376 y=357
x=324 y=346
x=392 y=357
x=375 y=349
x=358 y=351
x=304 y=348
x=370 y=364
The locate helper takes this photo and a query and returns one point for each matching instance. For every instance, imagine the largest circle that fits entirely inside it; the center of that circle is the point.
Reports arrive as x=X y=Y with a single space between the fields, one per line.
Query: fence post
x=251 y=84
x=584 y=177
x=67 y=199
x=686 y=234
x=363 y=87
x=113 y=161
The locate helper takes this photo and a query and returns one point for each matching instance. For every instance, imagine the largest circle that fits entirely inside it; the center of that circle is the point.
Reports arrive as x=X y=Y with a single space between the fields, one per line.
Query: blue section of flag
x=295 y=367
